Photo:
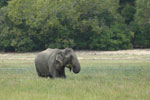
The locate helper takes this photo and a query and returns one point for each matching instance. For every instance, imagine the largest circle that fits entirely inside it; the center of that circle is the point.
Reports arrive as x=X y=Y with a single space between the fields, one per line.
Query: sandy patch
x=136 y=54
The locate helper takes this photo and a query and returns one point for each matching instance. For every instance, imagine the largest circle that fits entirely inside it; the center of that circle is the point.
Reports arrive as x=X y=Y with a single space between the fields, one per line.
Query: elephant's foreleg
x=63 y=76
x=59 y=74
x=54 y=74
x=62 y=73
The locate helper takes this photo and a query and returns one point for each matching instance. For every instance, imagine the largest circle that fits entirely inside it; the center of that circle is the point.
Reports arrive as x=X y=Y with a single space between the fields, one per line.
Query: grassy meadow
x=102 y=77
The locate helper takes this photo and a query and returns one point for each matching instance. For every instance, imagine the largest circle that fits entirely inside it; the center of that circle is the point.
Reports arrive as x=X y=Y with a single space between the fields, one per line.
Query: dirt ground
x=120 y=52
x=136 y=54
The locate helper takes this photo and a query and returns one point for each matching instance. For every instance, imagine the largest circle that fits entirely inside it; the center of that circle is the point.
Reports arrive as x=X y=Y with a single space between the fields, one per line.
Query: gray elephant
x=52 y=62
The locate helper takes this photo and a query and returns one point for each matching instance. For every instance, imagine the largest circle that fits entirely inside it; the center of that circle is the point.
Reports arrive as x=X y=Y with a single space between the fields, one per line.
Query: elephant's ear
x=58 y=62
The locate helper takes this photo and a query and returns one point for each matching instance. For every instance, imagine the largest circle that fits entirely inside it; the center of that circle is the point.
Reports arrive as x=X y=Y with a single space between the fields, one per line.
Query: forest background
x=33 y=25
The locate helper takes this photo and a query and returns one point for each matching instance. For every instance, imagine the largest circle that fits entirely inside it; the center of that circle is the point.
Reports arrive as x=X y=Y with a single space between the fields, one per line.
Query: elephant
x=52 y=62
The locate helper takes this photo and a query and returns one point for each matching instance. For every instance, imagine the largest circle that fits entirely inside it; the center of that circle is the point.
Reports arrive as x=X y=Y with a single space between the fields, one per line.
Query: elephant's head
x=70 y=60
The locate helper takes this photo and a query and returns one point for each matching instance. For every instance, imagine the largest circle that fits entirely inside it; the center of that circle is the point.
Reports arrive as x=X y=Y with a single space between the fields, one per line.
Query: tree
x=142 y=21
x=128 y=13
x=3 y=3
x=46 y=23
x=80 y=24
x=5 y=27
x=94 y=17
x=142 y=13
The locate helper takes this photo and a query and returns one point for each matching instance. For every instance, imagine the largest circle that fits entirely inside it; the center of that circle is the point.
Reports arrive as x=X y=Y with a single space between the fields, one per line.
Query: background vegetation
x=31 y=25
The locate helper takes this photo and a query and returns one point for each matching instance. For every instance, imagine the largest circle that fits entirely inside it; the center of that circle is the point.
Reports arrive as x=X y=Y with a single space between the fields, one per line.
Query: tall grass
x=99 y=79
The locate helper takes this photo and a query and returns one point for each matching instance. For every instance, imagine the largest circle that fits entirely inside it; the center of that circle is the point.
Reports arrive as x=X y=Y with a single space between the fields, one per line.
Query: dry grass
x=121 y=75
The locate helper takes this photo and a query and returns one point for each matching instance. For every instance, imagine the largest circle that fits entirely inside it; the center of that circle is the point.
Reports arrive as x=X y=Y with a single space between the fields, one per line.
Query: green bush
x=142 y=36
x=141 y=25
x=114 y=38
x=5 y=40
x=23 y=44
x=30 y=25
x=128 y=13
x=3 y=3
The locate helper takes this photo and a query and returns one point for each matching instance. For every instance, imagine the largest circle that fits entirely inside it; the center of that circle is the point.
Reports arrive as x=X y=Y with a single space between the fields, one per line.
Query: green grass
x=99 y=79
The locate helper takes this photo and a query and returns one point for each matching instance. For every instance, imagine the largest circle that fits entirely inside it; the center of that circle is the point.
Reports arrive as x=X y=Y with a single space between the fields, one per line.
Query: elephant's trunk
x=76 y=69
x=76 y=66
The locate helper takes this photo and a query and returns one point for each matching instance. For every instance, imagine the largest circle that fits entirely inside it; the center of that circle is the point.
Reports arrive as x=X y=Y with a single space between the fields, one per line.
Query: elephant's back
x=44 y=55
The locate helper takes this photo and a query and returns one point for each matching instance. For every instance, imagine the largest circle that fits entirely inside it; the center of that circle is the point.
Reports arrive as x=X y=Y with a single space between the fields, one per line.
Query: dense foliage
x=30 y=25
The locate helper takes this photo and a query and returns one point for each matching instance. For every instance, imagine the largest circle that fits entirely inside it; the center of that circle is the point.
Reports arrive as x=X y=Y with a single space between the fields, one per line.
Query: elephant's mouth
x=70 y=66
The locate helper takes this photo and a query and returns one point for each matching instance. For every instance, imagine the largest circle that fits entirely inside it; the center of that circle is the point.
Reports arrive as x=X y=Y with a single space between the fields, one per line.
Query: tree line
x=31 y=25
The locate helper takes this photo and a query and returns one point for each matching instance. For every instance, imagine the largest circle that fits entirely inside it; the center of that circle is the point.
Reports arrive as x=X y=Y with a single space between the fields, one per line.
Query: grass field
x=102 y=77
